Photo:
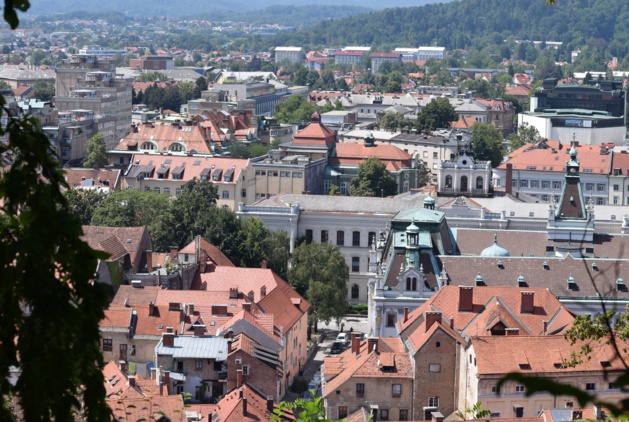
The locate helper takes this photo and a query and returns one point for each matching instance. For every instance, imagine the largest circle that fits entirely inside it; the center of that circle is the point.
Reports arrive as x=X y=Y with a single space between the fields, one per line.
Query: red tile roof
x=135 y=296
x=315 y=133
x=211 y=251
x=542 y=158
x=130 y=237
x=117 y=318
x=231 y=408
x=367 y=364
x=164 y=135
x=149 y=408
x=75 y=176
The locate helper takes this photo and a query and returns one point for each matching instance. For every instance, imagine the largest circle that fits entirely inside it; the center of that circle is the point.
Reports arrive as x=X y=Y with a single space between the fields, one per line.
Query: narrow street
x=358 y=324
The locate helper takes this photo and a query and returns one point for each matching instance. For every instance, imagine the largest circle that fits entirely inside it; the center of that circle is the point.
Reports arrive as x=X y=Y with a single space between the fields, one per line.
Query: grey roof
x=348 y=204
x=16 y=72
x=195 y=348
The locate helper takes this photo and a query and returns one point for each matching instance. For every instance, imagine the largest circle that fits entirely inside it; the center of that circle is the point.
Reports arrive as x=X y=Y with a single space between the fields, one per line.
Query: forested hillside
x=188 y=8
x=476 y=24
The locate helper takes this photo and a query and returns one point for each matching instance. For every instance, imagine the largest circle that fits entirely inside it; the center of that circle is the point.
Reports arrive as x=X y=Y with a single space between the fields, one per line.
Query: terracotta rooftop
x=231 y=408
x=542 y=158
x=367 y=364
x=499 y=355
x=149 y=408
x=131 y=238
x=475 y=310
x=315 y=133
x=133 y=296
x=211 y=251
x=102 y=177
x=164 y=136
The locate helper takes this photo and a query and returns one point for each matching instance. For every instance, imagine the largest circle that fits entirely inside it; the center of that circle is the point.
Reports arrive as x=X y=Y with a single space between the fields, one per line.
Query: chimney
x=244 y=405
x=151 y=308
x=229 y=346
x=238 y=378
x=161 y=388
x=149 y=260
x=512 y=332
x=270 y=406
x=436 y=417
x=545 y=327
x=167 y=380
x=209 y=417
x=526 y=302
x=432 y=317
x=466 y=296
x=405 y=314
x=168 y=339
x=123 y=366
x=169 y=329
x=452 y=322
x=132 y=381
x=246 y=306
x=173 y=250
x=355 y=343
x=372 y=345
x=509 y=179
x=190 y=309
x=263 y=265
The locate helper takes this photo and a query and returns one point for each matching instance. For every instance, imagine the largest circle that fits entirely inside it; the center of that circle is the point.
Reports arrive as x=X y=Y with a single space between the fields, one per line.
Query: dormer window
x=411 y=284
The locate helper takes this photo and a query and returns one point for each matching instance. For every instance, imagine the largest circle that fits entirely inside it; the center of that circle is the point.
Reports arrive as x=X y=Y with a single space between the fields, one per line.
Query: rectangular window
x=177 y=191
x=324 y=236
x=425 y=154
x=589 y=187
x=108 y=345
x=326 y=186
x=360 y=389
x=384 y=414
x=403 y=414
x=535 y=183
x=514 y=183
x=396 y=390
x=156 y=189
x=435 y=155
x=616 y=188
x=556 y=185
x=433 y=401
x=340 y=238
x=434 y=367
x=298 y=175
x=520 y=389
x=355 y=238
x=391 y=319
x=590 y=386
x=600 y=201
x=616 y=200
x=600 y=187
x=545 y=184
x=243 y=193
x=198 y=365
x=309 y=235
x=545 y=198
x=245 y=369
x=524 y=183
x=371 y=239
x=342 y=412
x=167 y=190
x=355 y=264
x=225 y=194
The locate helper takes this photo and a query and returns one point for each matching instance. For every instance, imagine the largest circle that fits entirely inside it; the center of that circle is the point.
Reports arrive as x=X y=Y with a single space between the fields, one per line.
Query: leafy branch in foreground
x=49 y=305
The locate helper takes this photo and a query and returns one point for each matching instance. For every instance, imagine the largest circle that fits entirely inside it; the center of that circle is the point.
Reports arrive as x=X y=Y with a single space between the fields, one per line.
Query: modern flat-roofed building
x=152 y=63
x=348 y=57
x=292 y=54
x=377 y=59
x=427 y=53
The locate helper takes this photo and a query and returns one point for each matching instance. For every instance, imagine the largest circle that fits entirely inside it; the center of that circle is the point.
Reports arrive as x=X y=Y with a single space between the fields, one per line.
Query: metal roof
x=195 y=348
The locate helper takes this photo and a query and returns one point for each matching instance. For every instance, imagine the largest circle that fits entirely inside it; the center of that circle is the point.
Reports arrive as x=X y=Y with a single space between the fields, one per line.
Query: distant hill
x=469 y=23
x=187 y=8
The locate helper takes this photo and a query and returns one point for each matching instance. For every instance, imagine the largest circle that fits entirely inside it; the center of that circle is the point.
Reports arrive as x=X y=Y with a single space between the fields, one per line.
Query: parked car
x=317 y=376
x=307 y=395
x=337 y=347
x=313 y=386
x=343 y=338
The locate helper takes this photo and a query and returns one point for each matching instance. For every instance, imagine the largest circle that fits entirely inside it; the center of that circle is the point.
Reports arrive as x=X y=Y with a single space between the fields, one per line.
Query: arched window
x=479 y=182
x=463 y=187
x=355 y=291
x=176 y=147
x=411 y=284
x=448 y=181
x=148 y=145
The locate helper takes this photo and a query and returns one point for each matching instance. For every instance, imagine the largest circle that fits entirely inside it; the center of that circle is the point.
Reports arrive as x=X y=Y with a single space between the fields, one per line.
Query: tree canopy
x=373 y=179
x=96 y=152
x=319 y=273
x=294 y=109
x=437 y=114
x=487 y=143
x=523 y=135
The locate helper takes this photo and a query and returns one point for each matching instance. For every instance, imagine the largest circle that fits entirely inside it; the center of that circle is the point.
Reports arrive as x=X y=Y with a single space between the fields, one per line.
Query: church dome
x=495 y=250
x=429 y=200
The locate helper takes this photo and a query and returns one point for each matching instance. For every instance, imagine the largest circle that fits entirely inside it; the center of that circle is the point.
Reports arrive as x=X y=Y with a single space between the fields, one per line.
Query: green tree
x=437 y=114
x=37 y=57
x=201 y=84
x=294 y=109
x=43 y=90
x=152 y=77
x=276 y=248
x=394 y=121
x=487 y=143
x=319 y=273
x=524 y=134
x=334 y=190
x=57 y=348
x=311 y=410
x=96 y=152
x=373 y=179
x=83 y=202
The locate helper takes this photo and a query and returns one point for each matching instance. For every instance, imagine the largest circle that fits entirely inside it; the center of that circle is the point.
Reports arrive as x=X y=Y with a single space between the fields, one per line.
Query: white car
x=342 y=338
